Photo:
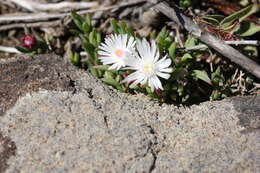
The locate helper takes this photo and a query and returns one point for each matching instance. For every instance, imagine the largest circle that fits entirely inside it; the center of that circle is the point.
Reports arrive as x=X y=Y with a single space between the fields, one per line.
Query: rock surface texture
x=66 y=121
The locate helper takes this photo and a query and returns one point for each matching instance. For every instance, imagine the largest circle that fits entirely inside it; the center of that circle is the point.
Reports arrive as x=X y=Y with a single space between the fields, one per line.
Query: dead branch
x=32 y=17
x=234 y=55
x=35 y=6
x=9 y=50
x=30 y=25
x=244 y=42
x=240 y=42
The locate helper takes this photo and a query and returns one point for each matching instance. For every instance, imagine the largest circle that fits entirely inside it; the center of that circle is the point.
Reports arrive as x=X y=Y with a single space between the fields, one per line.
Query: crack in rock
x=152 y=146
x=153 y=166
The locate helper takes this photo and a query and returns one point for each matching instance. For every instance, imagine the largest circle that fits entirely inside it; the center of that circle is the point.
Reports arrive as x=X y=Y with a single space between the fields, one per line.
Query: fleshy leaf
x=172 y=50
x=240 y=15
x=77 y=19
x=201 y=74
x=248 y=29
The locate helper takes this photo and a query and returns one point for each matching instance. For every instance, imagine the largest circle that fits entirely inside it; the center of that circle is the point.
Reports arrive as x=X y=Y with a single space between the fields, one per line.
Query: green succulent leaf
x=185 y=3
x=213 y=20
x=75 y=58
x=172 y=50
x=248 y=29
x=105 y=68
x=93 y=38
x=191 y=41
x=185 y=57
x=240 y=15
x=86 y=27
x=123 y=27
x=98 y=39
x=109 y=79
x=115 y=26
x=77 y=19
x=90 y=49
x=201 y=74
x=88 y=20
x=23 y=50
x=91 y=69
x=163 y=34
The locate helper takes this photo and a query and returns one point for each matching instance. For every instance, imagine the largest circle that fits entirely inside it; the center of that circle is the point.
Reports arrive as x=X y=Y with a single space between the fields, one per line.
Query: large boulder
x=57 y=118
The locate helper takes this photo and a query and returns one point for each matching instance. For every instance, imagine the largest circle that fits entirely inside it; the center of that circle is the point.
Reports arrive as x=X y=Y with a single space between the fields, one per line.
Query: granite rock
x=75 y=123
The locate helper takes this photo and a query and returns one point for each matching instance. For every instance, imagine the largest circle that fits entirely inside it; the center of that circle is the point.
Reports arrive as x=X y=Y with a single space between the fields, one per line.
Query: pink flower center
x=119 y=53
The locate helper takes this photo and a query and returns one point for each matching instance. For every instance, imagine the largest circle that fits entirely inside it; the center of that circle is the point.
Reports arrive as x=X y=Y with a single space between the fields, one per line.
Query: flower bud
x=29 y=41
x=158 y=91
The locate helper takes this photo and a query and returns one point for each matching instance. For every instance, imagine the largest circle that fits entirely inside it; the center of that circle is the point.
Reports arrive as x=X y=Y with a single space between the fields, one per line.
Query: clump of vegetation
x=197 y=74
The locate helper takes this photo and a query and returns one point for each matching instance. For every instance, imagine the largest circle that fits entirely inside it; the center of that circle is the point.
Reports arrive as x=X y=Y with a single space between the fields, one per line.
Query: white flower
x=148 y=66
x=116 y=50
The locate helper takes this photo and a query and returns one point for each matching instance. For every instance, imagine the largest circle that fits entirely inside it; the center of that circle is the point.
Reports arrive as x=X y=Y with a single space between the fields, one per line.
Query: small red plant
x=29 y=41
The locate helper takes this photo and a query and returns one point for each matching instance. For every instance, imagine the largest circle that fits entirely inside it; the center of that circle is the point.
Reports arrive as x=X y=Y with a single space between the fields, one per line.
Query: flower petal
x=163 y=75
x=132 y=77
x=113 y=43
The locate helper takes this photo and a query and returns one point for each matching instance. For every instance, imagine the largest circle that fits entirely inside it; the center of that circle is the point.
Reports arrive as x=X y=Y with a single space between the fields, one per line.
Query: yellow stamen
x=119 y=53
x=148 y=69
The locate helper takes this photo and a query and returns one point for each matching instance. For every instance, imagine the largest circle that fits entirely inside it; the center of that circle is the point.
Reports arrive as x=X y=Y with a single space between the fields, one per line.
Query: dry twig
x=35 y=6
x=32 y=17
x=9 y=50
x=234 y=55
x=242 y=42
x=31 y=25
